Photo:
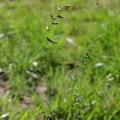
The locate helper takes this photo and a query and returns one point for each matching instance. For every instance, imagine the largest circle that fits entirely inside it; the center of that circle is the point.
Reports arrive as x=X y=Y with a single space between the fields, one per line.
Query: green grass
x=55 y=88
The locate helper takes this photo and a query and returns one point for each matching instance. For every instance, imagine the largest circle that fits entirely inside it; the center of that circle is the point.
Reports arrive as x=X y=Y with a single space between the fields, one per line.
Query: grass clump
x=50 y=65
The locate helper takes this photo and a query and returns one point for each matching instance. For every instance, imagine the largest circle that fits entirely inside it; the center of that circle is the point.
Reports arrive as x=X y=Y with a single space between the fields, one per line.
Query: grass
x=43 y=80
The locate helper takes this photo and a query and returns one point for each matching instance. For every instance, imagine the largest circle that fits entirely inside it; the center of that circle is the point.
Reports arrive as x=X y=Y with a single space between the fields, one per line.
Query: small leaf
x=54 y=22
x=59 y=9
x=50 y=40
x=47 y=28
x=59 y=16
x=67 y=7
x=88 y=56
x=53 y=17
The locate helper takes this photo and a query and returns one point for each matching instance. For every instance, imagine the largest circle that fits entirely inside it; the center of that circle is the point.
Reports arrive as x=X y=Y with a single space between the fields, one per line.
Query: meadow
x=59 y=60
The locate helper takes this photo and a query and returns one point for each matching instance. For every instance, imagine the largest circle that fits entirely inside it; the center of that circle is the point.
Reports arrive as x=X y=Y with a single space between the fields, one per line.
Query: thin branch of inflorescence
x=55 y=20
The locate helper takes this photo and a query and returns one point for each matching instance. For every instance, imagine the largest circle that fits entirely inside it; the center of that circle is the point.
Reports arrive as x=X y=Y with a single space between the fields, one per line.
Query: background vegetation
x=42 y=80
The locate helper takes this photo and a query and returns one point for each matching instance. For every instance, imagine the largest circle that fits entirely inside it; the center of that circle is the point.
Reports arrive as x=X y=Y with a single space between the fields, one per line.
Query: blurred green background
x=42 y=80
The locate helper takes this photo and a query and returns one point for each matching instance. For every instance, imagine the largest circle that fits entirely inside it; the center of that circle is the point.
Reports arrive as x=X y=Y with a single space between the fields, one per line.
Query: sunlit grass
x=44 y=79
